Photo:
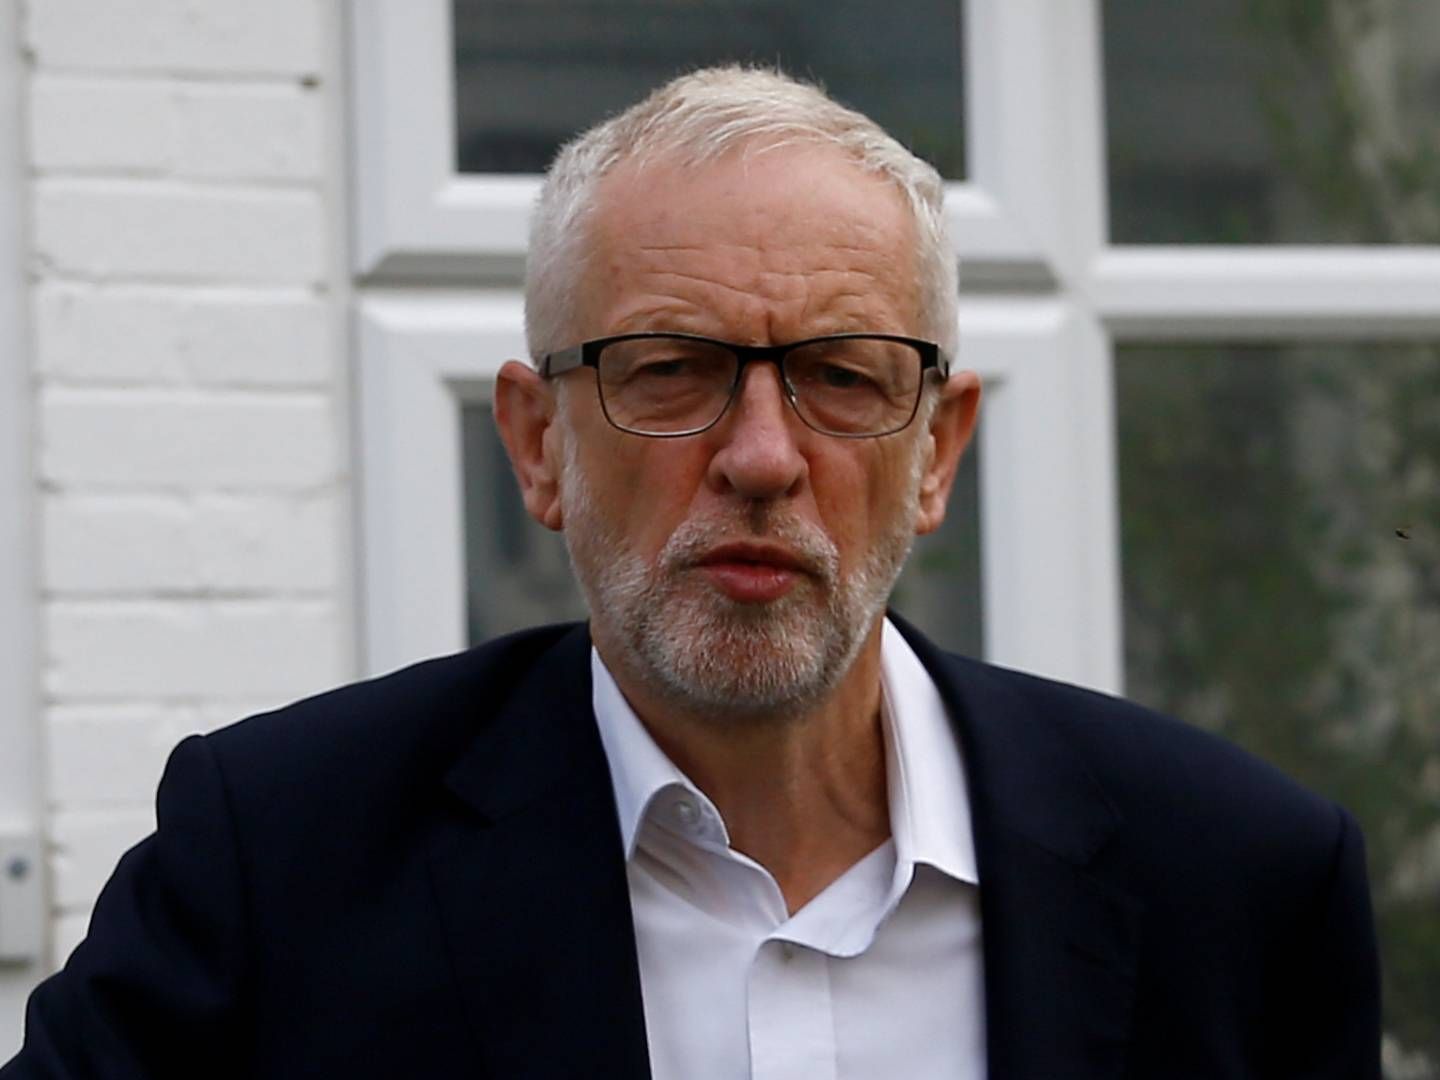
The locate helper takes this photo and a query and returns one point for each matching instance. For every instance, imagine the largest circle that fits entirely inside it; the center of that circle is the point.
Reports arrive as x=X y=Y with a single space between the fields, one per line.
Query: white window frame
x=1044 y=299
x=417 y=217
x=422 y=357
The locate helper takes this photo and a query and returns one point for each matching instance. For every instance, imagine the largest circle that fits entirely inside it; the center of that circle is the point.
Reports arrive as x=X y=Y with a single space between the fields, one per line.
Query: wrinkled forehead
x=750 y=219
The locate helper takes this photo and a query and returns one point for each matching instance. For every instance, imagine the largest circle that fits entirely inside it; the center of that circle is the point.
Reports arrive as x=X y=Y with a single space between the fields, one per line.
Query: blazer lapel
x=529 y=873
x=1060 y=941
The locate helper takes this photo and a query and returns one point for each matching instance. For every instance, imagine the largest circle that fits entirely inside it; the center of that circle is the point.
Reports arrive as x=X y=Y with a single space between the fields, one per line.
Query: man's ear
x=951 y=426
x=525 y=416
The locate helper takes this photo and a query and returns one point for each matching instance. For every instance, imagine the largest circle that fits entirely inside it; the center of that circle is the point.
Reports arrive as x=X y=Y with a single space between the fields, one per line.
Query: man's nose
x=758 y=456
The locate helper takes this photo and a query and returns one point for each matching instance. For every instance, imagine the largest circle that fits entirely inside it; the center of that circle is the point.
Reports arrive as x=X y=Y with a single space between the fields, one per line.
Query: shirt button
x=686 y=813
x=787 y=951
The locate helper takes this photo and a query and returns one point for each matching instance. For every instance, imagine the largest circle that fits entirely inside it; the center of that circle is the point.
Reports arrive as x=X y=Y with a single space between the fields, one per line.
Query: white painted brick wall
x=188 y=348
x=167 y=127
x=117 y=439
x=85 y=845
x=153 y=545
x=92 y=126
x=184 y=650
x=103 y=756
x=94 y=228
x=145 y=334
x=205 y=38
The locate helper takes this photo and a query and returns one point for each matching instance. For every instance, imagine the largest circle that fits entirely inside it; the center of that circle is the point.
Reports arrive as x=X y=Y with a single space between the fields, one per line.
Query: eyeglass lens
x=845 y=386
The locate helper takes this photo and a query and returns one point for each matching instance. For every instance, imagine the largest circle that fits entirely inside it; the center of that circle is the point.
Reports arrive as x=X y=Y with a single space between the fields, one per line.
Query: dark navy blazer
x=422 y=876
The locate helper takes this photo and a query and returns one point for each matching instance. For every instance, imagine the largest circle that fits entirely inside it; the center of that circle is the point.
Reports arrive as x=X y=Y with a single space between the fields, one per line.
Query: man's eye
x=835 y=377
x=662 y=368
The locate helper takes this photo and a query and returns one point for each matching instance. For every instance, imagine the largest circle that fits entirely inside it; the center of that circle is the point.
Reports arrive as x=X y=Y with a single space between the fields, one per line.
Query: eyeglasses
x=852 y=386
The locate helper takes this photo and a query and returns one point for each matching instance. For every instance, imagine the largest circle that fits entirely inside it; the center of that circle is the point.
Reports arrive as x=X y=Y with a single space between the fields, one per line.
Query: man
x=743 y=824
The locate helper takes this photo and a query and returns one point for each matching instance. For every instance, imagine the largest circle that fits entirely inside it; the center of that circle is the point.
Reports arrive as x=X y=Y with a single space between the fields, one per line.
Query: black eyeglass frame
x=587 y=354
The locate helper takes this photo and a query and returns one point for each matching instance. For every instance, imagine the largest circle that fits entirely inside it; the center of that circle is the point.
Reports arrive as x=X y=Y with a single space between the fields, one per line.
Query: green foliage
x=1270 y=597
x=1281 y=523
x=1346 y=135
x=1299 y=120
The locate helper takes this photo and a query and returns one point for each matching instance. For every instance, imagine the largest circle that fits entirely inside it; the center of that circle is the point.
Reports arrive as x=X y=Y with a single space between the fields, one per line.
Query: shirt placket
x=791 y=1014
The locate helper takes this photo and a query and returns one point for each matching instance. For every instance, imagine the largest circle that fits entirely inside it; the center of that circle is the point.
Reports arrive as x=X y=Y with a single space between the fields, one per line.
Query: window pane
x=1273 y=121
x=519 y=575
x=940 y=589
x=1280 y=522
x=532 y=73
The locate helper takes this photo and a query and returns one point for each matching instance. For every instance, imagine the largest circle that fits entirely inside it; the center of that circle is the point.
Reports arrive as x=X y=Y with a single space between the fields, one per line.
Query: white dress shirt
x=879 y=976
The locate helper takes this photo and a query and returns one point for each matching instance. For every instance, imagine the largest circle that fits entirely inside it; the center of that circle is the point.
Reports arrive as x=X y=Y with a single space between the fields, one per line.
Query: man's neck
x=804 y=796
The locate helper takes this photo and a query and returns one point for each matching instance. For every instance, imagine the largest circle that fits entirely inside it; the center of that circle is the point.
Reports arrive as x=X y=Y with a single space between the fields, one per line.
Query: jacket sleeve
x=156 y=989
x=1330 y=1016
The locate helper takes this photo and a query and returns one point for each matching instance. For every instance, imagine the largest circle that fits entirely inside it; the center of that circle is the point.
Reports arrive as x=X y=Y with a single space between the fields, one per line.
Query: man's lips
x=752 y=572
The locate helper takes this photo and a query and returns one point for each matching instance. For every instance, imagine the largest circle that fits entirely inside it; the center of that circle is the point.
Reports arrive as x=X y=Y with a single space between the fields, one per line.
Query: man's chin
x=723 y=656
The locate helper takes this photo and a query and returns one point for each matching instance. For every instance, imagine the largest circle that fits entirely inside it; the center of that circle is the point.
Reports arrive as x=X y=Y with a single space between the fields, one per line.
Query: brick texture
x=205 y=38
x=187 y=650
x=142 y=545
x=187 y=338
x=165 y=127
x=118 y=229
x=147 y=439
x=134 y=335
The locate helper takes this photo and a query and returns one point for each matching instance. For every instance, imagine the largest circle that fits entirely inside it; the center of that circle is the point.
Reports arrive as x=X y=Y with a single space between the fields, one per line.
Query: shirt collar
x=639 y=769
x=925 y=773
x=929 y=799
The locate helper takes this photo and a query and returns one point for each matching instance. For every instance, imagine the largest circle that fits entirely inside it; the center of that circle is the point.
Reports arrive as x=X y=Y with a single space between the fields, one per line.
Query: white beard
x=714 y=656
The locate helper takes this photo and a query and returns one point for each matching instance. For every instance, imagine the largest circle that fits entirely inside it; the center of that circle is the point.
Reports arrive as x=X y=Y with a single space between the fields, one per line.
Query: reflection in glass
x=1273 y=121
x=532 y=73
x=940 y=588
x=518 y=573
x=1280 y=522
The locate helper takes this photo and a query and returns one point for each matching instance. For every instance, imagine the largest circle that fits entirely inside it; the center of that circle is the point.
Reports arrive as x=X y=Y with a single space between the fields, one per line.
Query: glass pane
x=519 y=574
x=1280 y=522
x=939 y=591
x=531 y=73
x=1273 y=121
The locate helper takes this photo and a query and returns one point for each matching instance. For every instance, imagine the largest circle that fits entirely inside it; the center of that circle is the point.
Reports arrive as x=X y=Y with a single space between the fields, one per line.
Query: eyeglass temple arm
x=561 y=361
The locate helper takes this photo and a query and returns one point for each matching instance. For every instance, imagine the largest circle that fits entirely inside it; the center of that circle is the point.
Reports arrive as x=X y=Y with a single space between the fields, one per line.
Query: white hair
x=697 y=118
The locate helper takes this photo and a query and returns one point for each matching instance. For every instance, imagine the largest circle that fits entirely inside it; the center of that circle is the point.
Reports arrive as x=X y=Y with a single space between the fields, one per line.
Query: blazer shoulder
x=1157 y=769
x=394 y=729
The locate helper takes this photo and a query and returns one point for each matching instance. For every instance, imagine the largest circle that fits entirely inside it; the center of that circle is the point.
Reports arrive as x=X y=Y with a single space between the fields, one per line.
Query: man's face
x=741 y=570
